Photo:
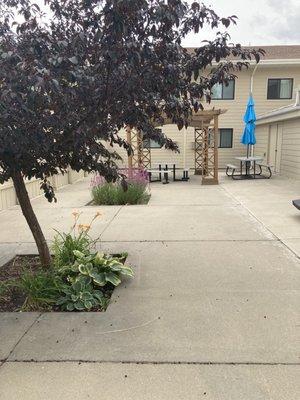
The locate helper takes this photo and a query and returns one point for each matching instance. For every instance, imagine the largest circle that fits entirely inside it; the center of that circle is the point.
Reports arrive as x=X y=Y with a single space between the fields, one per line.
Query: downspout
x=251 y=79
x=251 y=91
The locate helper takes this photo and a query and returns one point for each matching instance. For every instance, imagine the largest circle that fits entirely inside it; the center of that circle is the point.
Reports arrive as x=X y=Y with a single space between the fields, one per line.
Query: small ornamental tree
x=75 y=72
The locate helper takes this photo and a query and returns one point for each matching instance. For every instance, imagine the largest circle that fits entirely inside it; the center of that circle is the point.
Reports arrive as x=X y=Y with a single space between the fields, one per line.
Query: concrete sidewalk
x=213 y=311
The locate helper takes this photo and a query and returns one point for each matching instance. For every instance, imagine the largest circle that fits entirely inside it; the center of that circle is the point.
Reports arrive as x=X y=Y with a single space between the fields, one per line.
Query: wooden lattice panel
x=200 y=160
x=206 y=152
x=141 y=155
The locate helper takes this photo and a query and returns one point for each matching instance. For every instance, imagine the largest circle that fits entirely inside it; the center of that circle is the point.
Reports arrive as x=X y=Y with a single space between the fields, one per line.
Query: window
x=280 y=89
x=225 y=138
x=222 y=92
x=151 y=144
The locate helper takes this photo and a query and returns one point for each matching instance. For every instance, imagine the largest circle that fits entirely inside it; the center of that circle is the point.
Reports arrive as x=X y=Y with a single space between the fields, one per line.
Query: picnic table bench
x=230 y=168
x=172 y=167
x=160 y=172
x=268 y=167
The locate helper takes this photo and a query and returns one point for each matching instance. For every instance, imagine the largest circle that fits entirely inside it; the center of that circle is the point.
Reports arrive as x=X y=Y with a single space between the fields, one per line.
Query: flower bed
x=79 y=279
x=133 y=188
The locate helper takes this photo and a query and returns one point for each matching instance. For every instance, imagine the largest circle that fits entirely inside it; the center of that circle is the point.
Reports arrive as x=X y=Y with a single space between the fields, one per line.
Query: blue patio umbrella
x=248 y=137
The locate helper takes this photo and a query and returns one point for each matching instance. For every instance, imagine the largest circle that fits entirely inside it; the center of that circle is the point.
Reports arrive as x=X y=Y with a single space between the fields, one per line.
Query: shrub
x=133 y=192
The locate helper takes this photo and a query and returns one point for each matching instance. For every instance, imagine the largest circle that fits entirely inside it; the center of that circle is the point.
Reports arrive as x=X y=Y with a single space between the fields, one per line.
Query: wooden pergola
x=206 y=145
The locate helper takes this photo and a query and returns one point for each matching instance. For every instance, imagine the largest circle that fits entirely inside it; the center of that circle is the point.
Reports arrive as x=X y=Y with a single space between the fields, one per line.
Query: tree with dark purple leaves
x=75 y=72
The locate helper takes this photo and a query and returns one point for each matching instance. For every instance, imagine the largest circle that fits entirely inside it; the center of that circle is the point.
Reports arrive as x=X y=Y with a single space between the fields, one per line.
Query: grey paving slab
x=184 y=223
x=186 y=194
x=12 y=328
x=281 y=218
x=7 y=252
x=293 y=245
x=246 y=266
x=16 y=229
x=71 y=381
x=76 y=195
x=271 y=203
x=202 y=327
x=182 y=307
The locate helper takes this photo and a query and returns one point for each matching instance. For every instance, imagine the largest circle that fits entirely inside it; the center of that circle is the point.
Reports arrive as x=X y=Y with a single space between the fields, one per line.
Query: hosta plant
x=101 y=268
x=81 y=296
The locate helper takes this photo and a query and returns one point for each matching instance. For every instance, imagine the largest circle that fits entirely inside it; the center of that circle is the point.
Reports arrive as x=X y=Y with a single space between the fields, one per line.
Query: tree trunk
x=31 y=219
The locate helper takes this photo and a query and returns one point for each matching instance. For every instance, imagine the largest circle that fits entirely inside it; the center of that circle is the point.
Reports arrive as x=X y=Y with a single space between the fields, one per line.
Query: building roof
x=282 y=52
x=278 y=52
x=279 y=114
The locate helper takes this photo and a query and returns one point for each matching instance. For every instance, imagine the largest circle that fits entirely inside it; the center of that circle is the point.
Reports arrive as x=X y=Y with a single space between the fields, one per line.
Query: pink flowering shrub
x=114 y=193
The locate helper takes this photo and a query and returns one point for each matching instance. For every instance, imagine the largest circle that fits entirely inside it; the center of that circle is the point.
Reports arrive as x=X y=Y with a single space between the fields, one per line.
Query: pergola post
x=206 y=145
x=128 y=138
x=210 y=153
x=141 y=157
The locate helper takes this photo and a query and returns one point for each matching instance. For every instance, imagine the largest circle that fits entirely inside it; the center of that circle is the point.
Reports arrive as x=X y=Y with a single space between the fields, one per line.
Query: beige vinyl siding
x=262 y=137
x=290 y=149
x=162 y=156
x=233 y=118
x=8 y=196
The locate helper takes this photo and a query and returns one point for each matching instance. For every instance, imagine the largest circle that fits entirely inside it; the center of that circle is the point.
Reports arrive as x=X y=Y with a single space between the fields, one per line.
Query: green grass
x=42 y=289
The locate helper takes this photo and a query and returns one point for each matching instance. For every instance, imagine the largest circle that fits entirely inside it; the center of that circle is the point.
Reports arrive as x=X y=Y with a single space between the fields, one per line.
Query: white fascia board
x=262 y=62
x=280 y=115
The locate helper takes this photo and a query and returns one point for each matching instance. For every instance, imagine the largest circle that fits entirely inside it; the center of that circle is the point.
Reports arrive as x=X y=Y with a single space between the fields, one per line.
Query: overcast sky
x=260 y=22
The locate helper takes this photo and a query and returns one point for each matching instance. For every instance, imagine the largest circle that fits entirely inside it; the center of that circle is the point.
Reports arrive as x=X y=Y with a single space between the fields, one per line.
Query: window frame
x=280 y=79
x=231 y=143
x=148 y=146
x=222 y=98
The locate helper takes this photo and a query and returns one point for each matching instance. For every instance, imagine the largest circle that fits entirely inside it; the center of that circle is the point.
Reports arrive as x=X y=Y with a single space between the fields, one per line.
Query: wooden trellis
x=206 y=146
x=141 y=157
x=206 y=151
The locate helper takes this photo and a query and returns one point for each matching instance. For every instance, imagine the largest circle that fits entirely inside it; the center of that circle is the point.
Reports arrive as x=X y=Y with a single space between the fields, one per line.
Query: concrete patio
x=212 y=313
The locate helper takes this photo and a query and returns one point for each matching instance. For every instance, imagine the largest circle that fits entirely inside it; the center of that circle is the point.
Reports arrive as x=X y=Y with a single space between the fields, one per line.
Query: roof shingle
x=277 y=52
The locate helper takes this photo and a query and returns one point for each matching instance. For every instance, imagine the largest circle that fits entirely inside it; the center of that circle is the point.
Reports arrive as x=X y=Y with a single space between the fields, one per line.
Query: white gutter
x=292 y=61
x=262 y=62
x=291 y=113
x=283 y=112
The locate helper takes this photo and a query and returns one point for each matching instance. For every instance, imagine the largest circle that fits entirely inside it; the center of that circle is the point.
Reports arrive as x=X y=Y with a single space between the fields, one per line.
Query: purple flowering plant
x=135 y=190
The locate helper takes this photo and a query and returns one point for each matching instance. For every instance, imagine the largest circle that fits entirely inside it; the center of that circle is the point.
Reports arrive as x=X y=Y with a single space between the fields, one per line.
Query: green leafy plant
x=88 y=276
x=42 y=289
x=64 y=244
x=101 y=268
x=81 y=296
x=3 y=290
x=114 y=194
x=80 y=279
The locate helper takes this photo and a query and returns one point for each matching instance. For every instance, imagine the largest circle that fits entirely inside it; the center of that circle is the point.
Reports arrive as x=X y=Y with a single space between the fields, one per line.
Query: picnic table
x=245 y=165
x=247 y=162
x=165 y=170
